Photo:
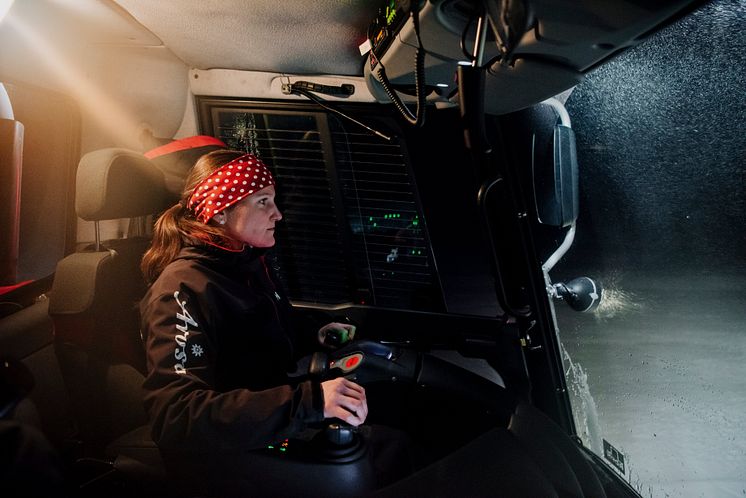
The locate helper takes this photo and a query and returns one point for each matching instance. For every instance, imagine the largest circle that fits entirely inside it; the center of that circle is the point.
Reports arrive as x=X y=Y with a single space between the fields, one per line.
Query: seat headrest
x=118 y=183
x=176 y=158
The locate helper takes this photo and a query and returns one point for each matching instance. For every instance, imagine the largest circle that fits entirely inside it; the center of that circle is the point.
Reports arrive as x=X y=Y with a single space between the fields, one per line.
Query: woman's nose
x=277 y=214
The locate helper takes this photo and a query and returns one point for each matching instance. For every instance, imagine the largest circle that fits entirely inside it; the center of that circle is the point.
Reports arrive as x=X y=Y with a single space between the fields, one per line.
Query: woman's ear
x=220 y=218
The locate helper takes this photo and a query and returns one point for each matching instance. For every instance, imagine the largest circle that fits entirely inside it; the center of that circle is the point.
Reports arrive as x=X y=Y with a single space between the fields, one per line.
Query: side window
x=657 y=373
x=51 y=149
x=353 y=229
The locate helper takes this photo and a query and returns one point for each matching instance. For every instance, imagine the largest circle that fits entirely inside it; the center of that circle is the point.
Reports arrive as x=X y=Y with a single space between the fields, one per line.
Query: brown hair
x=177 y=227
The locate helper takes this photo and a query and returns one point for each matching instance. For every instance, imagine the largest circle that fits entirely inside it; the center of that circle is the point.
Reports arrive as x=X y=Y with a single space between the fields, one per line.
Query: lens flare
x=5 y=7
x=107 y=114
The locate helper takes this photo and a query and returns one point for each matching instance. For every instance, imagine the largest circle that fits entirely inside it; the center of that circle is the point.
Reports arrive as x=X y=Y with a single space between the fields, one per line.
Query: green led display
x=373 y=220
x=390 y=12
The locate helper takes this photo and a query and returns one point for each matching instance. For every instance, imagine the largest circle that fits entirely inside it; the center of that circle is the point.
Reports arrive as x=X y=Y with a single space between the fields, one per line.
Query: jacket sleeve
x=185 y=409
x=304 y=323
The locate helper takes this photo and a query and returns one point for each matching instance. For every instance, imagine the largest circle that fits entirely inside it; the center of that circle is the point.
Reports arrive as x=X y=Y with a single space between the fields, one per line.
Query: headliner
x=293 y=36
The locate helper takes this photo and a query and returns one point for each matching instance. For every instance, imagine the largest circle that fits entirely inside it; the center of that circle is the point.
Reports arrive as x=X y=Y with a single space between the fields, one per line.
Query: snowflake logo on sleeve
x=197 y=350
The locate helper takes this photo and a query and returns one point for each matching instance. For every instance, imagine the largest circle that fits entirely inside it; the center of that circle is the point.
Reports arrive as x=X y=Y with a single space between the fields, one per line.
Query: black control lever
x=366 y=362
x=340 y=434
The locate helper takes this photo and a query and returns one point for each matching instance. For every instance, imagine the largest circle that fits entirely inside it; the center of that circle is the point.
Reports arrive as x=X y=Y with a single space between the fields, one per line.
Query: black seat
x=93 y=305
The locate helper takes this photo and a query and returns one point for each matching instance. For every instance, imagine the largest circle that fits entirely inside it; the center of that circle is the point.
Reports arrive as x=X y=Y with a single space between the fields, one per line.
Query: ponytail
x=177 y=227
x=167 y=243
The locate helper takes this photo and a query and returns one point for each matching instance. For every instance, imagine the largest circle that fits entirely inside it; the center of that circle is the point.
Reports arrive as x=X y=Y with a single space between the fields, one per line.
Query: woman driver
x=216 y=326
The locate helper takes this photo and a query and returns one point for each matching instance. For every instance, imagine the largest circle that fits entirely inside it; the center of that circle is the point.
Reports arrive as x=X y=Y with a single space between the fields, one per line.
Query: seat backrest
x=94 y=298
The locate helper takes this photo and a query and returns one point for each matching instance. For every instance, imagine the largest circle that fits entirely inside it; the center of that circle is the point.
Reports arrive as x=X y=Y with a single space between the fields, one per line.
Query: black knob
x=340 y=434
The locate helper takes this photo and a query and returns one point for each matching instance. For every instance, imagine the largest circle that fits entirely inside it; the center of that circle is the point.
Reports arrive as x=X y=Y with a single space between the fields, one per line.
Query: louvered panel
x=371 y=176
x=305 y=200
x=308 y=247
x=383 y=190
x=305 y=182
x=312 y=248
x=323 y=244
x=372 y=246
x=357 y=236
x=316 y=266
x=315 y=262
x=323 y=269
x=282 y=157
x=412 y=267
x=308 y=223
x=323 y=275
x=384 y=239
x=391 y=248
x=298 y=167
x=373 y=168
x=325 y=233
x=373 y=207
x=303 y=204
x=329 y=281
x=318 y=274
x=290 y=140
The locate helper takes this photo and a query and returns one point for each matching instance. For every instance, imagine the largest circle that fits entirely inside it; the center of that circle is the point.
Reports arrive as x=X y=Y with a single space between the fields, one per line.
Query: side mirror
x=555 y=180
x=555 y=177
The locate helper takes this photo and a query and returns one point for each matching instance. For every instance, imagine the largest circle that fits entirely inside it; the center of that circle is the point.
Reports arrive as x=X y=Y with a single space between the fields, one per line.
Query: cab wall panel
x=132 y=89
x=119 y=89
x=121 y=76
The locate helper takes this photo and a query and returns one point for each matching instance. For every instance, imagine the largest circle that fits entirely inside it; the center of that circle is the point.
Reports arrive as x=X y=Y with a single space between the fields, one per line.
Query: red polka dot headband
x=228 y=185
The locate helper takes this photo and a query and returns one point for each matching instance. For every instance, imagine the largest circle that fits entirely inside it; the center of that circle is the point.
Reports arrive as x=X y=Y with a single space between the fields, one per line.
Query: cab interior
x=425 y=167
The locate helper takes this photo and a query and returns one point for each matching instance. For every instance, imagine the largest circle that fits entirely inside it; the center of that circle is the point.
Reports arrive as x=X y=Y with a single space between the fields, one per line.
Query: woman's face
x=252 y=221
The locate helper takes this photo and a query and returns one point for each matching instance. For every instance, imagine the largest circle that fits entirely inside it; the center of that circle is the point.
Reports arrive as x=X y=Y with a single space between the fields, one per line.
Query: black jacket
x=219 y=346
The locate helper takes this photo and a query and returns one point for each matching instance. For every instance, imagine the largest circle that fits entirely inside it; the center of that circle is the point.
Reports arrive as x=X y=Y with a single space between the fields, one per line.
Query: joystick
x=340 y=443
x=340 y=435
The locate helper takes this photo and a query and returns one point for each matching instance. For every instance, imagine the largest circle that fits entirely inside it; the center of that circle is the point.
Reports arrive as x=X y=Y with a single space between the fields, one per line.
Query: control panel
x=386 y=26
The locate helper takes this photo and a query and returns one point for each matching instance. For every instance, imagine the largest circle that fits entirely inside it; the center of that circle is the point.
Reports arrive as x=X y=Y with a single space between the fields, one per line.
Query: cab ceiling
x=293 y=36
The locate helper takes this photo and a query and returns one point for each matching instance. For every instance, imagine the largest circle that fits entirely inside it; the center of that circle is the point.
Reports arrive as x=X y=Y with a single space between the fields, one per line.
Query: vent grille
x=352 y=229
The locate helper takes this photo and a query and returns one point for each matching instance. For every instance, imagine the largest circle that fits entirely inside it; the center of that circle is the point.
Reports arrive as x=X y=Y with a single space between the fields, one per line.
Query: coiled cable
x=417 y=119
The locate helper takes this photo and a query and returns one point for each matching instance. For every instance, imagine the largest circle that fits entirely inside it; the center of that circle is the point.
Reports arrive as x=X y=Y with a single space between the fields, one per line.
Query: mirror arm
x=561 y=250
x=560 y=109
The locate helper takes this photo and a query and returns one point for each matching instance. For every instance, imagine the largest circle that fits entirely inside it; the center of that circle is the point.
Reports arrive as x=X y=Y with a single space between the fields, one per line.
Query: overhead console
x=529 y=50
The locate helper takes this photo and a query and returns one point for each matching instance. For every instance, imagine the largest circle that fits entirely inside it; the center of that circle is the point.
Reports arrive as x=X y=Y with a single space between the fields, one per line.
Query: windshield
x=657 y=373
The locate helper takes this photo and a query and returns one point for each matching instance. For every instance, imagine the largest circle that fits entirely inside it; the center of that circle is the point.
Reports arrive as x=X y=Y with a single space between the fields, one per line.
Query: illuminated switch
x=350 y=362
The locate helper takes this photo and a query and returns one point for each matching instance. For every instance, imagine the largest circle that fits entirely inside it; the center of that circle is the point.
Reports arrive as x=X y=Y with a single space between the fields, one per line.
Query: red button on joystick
x=352 y=361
